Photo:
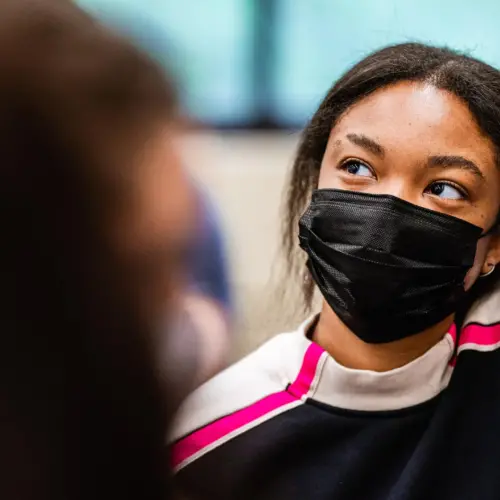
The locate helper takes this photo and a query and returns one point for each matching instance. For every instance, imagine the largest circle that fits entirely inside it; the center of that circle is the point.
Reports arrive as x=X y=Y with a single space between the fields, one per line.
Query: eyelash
x=344 y=165
x=459 y=188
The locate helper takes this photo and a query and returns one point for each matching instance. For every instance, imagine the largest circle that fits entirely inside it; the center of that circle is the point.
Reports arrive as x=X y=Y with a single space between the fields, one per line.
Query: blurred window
x=268 y=63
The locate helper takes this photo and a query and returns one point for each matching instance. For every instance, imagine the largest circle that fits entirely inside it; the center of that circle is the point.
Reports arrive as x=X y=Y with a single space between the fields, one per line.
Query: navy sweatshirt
x=289 y=422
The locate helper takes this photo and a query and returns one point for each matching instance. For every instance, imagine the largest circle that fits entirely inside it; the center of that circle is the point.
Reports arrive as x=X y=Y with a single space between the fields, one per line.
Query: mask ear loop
x=491 y=230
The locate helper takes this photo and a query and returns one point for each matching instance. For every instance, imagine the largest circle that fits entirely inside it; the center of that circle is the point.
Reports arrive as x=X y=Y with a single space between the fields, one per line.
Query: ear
x=492 y=255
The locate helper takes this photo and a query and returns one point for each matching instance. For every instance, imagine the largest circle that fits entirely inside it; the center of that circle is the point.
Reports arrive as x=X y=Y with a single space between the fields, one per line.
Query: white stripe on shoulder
x=486 y=311
x=267 y=370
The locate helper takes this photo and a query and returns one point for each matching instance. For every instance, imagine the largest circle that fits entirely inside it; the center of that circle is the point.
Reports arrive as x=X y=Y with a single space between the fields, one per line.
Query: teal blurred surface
x=233 y=55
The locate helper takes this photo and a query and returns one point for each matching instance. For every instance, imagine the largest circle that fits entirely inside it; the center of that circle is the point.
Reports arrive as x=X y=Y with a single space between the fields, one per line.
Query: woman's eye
x=446 y=191
x=355 y=167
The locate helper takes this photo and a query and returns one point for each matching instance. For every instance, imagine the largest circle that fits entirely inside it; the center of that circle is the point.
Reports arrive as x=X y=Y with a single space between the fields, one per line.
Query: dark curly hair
x=475 y=82
x=81 y=408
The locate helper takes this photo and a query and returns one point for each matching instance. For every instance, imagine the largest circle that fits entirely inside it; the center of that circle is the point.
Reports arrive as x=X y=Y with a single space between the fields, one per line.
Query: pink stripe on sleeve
x=481 y=335
x=453 y=332
x=209 y=435
x=305 y=378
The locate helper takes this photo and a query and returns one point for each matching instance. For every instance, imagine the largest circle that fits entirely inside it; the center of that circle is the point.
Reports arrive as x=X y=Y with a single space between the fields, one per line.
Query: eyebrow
x=440 y=161
x=456 y=162
x=367 y=143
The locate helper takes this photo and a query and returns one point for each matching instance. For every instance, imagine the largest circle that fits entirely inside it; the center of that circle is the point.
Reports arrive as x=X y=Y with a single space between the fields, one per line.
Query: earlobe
x=490 y=267
x=492 y=257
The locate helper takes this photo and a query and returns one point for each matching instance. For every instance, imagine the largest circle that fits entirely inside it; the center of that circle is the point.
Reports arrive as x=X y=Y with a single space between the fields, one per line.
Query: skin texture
x=422 y=145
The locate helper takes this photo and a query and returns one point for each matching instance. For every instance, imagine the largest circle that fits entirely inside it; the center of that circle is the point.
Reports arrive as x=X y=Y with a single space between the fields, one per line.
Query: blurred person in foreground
x=392 y=389
x=209 y=301
x=97 y=220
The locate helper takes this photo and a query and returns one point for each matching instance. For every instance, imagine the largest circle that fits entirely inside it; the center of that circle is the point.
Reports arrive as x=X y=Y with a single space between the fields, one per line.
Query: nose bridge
x=400 y=187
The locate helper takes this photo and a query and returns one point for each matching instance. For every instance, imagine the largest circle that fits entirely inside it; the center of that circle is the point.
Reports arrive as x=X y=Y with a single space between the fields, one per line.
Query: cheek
x=327 y=178
x=475 y=270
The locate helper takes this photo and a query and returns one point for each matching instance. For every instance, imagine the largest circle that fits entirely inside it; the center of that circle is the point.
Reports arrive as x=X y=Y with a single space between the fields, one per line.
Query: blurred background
x=251 y=73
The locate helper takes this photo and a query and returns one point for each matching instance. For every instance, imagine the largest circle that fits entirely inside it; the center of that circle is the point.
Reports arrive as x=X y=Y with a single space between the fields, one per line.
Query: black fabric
x=389 y=269
x=447 y=448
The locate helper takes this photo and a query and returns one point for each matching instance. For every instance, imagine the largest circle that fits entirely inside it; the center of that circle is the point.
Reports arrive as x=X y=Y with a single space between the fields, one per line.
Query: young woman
x=97 y=216
x=392 y=391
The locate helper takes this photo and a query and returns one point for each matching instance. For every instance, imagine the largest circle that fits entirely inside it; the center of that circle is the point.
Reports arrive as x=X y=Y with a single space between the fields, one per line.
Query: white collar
x=416 y=382
x=366 y=390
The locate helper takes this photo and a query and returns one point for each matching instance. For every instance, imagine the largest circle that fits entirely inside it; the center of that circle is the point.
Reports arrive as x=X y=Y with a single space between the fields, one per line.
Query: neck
x=350 y=351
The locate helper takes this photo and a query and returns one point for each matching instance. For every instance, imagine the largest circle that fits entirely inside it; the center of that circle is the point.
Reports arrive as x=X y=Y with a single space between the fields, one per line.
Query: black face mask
x=389 y=269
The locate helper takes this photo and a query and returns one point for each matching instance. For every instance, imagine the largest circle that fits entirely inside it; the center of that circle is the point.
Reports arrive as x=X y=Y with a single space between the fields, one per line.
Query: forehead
x=417 y=118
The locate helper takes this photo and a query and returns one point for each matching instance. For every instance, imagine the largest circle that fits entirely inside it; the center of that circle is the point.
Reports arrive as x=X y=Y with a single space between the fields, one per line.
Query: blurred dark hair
x=82 y=411
x=473 y=81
